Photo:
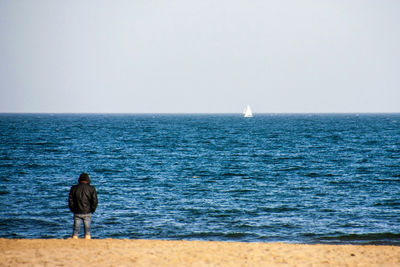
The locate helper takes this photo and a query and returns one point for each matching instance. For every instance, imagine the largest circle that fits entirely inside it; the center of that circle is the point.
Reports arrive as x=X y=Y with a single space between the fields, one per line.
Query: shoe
x=74 y=237
x=88 y=237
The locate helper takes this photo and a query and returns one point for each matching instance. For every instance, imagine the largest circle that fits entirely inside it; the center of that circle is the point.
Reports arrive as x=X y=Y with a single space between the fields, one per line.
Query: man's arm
x=71 y=201
x=94 y=201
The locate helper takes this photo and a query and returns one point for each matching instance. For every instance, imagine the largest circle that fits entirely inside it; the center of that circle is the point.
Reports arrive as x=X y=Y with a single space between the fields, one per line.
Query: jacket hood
x=84 y=178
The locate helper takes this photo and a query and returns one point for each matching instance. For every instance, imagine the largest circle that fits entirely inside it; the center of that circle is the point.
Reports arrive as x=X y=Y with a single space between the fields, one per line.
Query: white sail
x=247 y=112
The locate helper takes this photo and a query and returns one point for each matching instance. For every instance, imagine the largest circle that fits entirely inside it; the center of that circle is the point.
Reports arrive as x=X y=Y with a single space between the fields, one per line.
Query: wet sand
x=119 y=252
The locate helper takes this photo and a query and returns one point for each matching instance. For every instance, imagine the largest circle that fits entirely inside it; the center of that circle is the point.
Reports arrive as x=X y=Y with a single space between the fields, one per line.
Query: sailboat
x=247 y=112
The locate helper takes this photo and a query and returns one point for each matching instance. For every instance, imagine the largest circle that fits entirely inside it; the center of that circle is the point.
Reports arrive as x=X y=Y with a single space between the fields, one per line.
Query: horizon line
x=195 y=113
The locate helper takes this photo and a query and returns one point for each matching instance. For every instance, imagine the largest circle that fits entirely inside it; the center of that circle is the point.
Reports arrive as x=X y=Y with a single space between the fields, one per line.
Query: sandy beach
x=118 y=252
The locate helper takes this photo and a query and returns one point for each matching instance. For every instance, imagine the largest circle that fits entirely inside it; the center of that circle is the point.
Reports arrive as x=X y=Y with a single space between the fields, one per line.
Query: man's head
x=84 y=178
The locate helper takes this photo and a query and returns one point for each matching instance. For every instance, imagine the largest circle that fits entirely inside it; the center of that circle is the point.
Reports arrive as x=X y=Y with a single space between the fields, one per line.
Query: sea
x=294 y=178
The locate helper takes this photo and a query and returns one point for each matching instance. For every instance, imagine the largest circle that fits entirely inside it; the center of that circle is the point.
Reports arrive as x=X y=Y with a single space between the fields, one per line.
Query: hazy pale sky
x=185 y=56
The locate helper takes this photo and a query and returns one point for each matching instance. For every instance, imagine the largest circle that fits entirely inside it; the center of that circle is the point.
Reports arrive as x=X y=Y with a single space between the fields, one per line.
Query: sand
x=119 y=252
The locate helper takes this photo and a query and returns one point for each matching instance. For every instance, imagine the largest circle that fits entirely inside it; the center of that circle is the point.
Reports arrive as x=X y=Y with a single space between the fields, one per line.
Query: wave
x=313 y=174
x=390 y=180
x=239 y=191
x=106 y=171
x=387 y=238
x=27 y=223
x=388 y=203
x=278 y=209
x=232 y=174
x=224 y=236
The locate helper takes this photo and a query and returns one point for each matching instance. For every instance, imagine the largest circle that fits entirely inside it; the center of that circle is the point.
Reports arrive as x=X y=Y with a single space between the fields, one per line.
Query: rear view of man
x=83 y=203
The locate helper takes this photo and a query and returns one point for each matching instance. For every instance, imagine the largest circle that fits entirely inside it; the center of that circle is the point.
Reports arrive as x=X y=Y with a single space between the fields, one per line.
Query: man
x=83 y=203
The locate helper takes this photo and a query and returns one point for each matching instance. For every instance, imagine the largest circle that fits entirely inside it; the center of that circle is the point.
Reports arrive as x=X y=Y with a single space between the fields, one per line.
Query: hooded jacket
x=82 y=198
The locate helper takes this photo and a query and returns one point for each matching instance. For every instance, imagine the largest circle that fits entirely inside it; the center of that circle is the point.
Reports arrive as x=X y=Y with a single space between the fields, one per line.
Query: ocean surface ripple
x=306 y=178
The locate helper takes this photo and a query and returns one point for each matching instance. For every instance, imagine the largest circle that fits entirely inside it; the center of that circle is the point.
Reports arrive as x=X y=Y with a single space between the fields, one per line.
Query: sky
x=185 y=56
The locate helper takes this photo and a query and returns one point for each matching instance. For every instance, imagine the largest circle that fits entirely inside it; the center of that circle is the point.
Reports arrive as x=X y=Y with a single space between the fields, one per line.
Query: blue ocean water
x=312 y=178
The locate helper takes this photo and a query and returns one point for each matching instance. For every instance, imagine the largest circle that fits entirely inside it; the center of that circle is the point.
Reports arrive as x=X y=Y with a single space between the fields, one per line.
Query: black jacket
x=82 y=198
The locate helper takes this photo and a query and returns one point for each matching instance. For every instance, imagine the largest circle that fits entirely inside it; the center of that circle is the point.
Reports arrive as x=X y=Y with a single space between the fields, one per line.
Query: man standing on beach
x=82 y=202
